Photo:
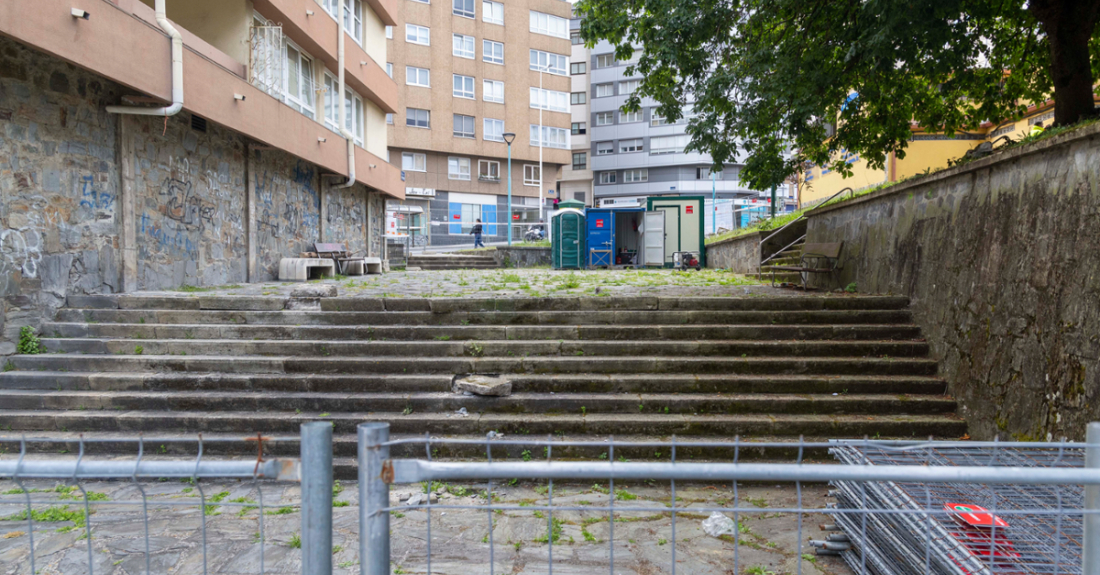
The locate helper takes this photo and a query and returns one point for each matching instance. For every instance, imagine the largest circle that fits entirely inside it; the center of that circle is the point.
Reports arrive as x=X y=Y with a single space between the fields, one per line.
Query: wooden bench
x=816 y=259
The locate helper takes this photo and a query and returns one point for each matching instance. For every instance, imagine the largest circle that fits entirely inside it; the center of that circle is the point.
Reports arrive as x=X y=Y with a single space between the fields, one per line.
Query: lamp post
x=542 y=136
x=508 y=138
x=713 y=203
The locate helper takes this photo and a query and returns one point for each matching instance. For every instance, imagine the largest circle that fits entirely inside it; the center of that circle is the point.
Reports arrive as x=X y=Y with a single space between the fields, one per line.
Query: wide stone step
x=484 y=365
x=442 y=305
x=250 y=423
x=479 y=332
x=486 y=348
x=409 y=318
x=719 y=448
x=322 y=403
x=521 y=383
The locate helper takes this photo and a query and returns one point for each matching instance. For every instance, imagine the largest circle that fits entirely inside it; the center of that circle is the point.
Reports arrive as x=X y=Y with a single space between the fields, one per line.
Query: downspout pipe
x=343 y=103
x=177 y=72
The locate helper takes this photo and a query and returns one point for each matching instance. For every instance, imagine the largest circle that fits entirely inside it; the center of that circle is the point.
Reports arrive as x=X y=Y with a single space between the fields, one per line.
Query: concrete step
x=594 y=447
x=486 y=348
x=669 y=383
x=484 y=365
x=250 y=423
x=792 y=260
x=446 y=305
x=410 y=318
x=317 y=403
x=139 y=331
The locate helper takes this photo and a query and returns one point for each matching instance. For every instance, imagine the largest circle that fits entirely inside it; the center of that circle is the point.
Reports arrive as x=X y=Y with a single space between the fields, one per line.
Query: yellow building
x=926 y=152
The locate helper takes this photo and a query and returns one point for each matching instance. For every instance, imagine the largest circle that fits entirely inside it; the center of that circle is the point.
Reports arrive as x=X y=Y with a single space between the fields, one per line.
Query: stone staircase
x=582 y=369
x=789 y=257
x=452 y=262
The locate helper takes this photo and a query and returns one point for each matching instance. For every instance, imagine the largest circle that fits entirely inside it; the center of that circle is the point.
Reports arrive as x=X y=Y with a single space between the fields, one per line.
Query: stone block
x=314 y=290
x=354 y=268
x=373 y=265
x=92 y=301
x=484 y=385
x=302 y=269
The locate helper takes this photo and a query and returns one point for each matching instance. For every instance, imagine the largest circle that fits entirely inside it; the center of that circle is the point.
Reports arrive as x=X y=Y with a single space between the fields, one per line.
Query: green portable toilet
x=567 y=236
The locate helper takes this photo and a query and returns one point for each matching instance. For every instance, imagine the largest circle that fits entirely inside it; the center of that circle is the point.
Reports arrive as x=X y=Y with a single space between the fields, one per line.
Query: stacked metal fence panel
x=900 y=528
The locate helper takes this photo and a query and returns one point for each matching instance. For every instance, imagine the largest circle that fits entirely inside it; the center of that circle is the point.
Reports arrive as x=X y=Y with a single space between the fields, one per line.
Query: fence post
x=317 y=498
x=1090 y=543
x=374 y=495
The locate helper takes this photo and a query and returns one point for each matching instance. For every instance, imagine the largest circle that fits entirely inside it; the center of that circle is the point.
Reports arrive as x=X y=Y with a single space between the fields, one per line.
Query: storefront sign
x=425 y=192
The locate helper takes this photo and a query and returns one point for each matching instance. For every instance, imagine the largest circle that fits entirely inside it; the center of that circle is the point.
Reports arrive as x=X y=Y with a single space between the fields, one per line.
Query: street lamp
x=508 y=138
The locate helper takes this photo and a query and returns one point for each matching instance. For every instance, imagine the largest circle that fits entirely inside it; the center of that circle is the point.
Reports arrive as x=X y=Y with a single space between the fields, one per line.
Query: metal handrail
x=848 y=189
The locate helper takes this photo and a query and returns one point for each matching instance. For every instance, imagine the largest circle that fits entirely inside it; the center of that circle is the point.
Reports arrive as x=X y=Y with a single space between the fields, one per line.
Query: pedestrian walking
x=477 y=235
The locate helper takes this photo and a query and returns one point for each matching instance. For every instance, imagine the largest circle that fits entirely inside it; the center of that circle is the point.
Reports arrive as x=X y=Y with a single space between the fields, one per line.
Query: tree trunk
x=1068 y=25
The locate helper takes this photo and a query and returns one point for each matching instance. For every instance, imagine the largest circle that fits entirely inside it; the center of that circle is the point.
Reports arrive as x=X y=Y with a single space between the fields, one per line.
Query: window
x=705 y=173
x=492 y=12
x=464 y=87
x=389 y=69
x=412 y=162
x=464 y=126
x=463 y=46
x=389 y=32
x=531 y=175
x=578 y=98
x=422 y=1
x=492 y=130
x=353 y=119
x=417 y=118
x=668 y=144
x=389 y=120
x=417 y=77
x=657 y=120
x=629 y=117
x=628 y=87
x=605 y=90
x=488 y=171
x=575 y=38
x=605 y=118
x=298 y=80
x=549 y=100
x=464 y=8
x=548 y=62
x=459 y=169
x=492 y=91
x=470 y=213
x=628 y=146
x=353 y=16
x=605 y=148
x=492 y=52
x=605 y=60
x=551 y=137
x=418 y=35
x=633 y=176
x=607 y=177
x=578 y=68
x=578 y=128
x=549 y=25
x=580 y=160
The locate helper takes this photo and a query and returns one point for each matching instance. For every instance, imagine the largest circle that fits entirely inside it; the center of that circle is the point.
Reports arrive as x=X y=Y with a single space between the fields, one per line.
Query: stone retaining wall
x=97 y=203
x=740 y=254
x=1001 y=259
x=521 y=257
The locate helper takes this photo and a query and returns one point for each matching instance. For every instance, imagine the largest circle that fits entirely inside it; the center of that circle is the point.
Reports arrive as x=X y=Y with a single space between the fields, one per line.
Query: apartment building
x=468 y=73
x=636 y=155
x=576 y=176
x=199 y=145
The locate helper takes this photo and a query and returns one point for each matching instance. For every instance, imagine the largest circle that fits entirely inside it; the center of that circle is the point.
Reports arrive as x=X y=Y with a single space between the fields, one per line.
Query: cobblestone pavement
x=524 y=282
x=643 y=539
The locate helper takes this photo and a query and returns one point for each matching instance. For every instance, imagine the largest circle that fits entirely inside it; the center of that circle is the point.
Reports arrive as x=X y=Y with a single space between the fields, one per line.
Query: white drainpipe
x=177 y=72
x=343 y=105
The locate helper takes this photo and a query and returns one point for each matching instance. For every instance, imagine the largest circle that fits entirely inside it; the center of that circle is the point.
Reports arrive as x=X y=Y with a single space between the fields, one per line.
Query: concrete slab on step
x=352 y=304
x=92 y=301
x=158 y=302
x=241 y=303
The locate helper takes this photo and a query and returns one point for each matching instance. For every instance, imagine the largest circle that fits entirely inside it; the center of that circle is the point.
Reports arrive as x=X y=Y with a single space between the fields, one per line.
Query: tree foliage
x=758 y=78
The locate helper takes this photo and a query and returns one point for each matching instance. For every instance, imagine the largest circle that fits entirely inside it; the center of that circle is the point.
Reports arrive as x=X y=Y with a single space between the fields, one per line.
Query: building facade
x=637 y=155
x=467 y=73
x=241 y=165
x=576 y=176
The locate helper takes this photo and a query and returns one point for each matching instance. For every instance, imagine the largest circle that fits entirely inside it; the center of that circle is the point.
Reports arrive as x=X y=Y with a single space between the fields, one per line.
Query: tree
x=830 y=77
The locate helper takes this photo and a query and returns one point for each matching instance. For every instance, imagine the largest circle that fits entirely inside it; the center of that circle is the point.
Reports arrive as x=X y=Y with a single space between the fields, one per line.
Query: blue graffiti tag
x=94 y=199
x=177 y=242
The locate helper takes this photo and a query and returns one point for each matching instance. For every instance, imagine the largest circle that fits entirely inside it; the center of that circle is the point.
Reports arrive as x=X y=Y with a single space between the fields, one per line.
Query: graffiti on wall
x=344 y=218
x=288 y=209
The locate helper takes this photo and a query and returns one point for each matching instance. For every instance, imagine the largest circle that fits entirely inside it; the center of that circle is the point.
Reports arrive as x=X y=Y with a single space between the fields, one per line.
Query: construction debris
x=892 y=528
x=484 y=385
